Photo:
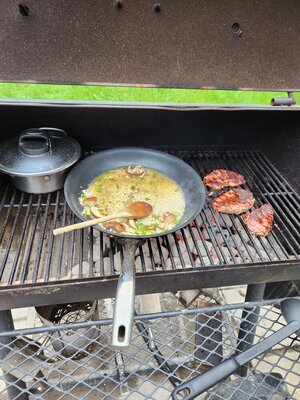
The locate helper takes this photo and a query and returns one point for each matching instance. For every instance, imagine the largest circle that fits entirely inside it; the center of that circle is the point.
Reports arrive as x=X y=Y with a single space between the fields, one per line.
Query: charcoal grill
x=37 y=263
x=240 y=45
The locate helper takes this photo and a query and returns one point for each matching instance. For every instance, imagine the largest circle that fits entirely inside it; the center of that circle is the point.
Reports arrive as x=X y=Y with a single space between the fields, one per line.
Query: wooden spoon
x=139 y=209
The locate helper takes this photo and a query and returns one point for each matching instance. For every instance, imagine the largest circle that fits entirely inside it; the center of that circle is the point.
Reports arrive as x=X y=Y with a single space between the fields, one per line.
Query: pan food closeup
x=115 y=190
x=167 y=175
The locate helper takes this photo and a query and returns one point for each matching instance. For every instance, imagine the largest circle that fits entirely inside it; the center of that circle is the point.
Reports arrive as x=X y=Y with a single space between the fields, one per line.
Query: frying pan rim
x=130 y=148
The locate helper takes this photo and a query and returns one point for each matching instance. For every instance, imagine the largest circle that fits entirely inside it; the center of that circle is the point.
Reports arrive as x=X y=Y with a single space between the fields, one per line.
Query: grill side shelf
x=175 y=335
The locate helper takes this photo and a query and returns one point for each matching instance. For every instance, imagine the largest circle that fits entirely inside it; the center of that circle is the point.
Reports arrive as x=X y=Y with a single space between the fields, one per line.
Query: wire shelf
x=166 y=349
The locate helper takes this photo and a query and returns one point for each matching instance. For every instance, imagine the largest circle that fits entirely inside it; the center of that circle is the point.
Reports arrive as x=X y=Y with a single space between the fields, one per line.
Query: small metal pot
x=40 y=184
x=39 y=159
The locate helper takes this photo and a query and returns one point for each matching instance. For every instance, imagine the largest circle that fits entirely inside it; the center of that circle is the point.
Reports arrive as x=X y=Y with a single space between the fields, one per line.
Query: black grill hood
x=234 y=44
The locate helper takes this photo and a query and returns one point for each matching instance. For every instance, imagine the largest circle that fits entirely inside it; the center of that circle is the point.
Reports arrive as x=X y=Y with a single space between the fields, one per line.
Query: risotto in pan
x=114 y=190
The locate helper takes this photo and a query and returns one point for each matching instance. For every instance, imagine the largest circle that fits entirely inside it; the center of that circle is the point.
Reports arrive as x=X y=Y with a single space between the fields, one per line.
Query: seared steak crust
x=260 y=220
x=220 y=178
x=235 y=201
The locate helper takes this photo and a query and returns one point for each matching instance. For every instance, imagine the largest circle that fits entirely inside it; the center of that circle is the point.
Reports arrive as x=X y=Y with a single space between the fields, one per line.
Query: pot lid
x=38 y=151
x=237 y=44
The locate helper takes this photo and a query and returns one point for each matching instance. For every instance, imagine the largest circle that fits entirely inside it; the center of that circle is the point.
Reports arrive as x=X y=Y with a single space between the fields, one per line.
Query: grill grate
x=185 y=342
x=30 y=254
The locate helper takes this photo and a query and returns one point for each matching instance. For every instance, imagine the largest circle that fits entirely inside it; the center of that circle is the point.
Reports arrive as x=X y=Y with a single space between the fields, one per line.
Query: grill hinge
x=284 y=101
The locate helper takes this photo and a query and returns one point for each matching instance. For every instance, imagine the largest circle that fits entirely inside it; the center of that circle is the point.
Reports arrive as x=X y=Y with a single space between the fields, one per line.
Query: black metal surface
x=275 y=131
x=279 y=290
x=16 y=388
x=84 y=265
x=136 y=373
x=248 y=326
x=241 y=44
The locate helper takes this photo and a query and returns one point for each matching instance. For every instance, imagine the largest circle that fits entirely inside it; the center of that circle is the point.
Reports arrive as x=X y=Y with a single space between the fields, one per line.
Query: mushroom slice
x=90 y=201
x=169 y=217
x=136 y=170
x=95 y=212
x=127 y=227
x=131 y=223
x=114 y=226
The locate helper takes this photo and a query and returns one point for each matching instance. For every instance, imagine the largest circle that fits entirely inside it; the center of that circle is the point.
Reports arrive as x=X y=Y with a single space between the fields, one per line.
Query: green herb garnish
x=86 y=212
x=155 y=216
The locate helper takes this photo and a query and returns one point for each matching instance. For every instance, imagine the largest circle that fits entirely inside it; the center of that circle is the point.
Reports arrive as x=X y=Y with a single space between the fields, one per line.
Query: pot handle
x=29 y=145
x=55 y=130
x=125 y=296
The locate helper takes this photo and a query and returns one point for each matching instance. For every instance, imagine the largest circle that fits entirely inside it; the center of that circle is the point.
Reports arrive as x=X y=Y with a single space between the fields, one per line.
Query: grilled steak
x=260 y=220
x=235 y=201
x=220 y=178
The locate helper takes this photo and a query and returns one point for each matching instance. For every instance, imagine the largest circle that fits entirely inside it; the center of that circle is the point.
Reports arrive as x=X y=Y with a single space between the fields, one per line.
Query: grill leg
x=14 y=386
x=255 y=292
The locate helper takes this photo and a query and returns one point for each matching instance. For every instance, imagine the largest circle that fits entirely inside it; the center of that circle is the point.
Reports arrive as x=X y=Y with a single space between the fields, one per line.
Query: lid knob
x=34 y=142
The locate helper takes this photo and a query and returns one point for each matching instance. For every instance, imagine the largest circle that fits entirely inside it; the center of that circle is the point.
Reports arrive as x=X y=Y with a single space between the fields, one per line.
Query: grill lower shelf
x=185 y=341
x=34 y=261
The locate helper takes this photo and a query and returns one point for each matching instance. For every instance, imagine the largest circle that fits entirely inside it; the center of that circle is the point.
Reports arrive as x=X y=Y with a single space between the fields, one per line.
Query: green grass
x=133 y=94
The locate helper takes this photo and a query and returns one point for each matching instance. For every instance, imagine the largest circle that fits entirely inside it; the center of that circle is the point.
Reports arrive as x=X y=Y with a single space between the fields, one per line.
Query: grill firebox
x=32 y=258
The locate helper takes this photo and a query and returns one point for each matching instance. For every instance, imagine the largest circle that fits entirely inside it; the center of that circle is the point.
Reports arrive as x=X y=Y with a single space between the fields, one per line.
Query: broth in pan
x=113 y=190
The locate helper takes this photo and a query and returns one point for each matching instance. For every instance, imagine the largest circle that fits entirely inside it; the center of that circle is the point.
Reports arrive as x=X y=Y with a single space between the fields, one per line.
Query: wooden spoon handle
x=89 y=222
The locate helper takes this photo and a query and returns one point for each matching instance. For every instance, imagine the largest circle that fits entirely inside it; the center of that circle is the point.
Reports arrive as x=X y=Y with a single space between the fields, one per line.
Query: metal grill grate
x=184 y=344
x=30 y=254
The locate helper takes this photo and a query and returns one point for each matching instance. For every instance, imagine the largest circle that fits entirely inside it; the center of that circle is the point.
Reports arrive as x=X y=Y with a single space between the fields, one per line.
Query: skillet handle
x=125 y=296
x=203 y=382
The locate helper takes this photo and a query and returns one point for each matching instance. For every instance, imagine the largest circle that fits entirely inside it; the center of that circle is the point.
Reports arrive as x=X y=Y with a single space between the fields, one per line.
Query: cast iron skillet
x=92 y=166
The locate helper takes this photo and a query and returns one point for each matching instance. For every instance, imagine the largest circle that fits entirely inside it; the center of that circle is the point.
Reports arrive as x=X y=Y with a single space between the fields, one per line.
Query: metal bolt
x=119 y=5
x=236 y=29
x=24 y=10
x=157 y=7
